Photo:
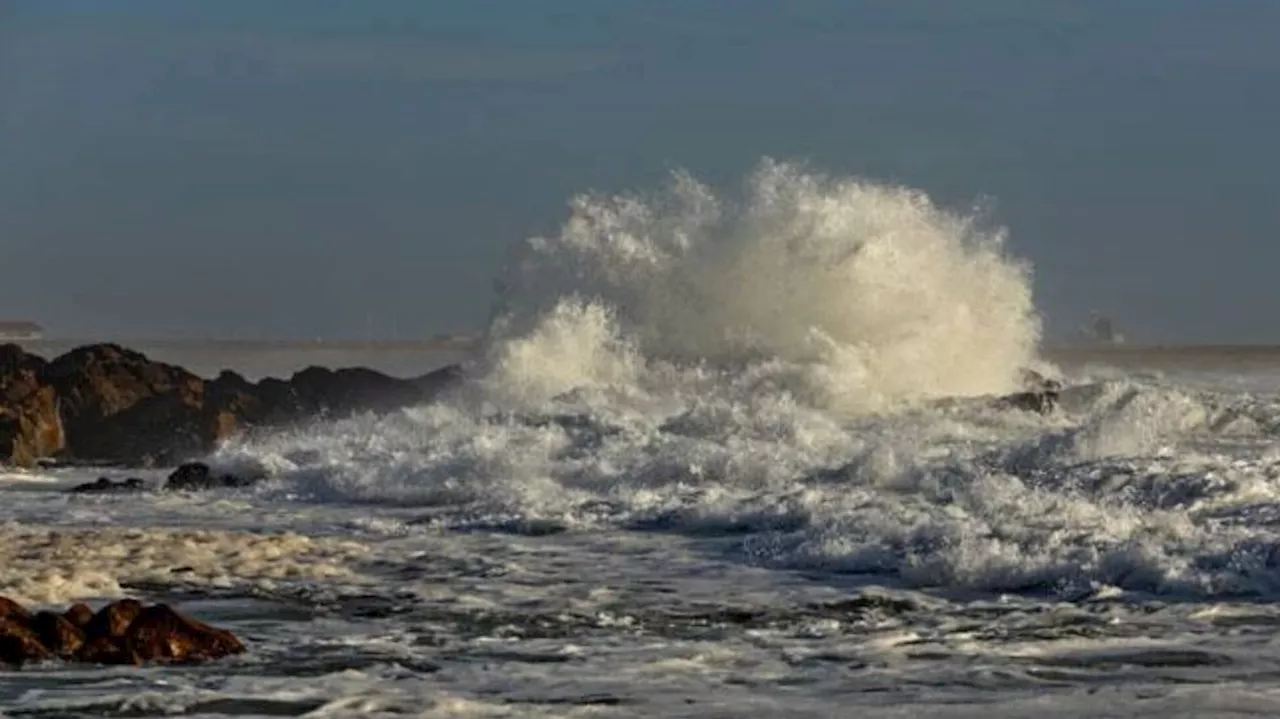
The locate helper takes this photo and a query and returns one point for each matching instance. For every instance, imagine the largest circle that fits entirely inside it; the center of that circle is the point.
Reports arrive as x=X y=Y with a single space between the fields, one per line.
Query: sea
x=716 y=455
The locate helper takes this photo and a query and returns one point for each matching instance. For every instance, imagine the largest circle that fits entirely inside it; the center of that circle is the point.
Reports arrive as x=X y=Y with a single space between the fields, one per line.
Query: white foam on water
x=865 y=295
x=27 y=478
x=968 y=496
x=701 y=426
x=768 y=364
x=42 y=565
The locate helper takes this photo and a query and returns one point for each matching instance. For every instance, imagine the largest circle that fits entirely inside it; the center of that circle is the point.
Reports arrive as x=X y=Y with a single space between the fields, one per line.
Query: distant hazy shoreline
x=420 y=345
x=1188 y=351
x=256 y=359
x=410 y=358
x=462 y=343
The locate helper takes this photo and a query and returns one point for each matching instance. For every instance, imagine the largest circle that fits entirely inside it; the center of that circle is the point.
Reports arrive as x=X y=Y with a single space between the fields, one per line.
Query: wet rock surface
x=196 y=476
x=30 y=424
x=106 y=485
x=188 y=477
x=1040 y=394
x=58 y=634
x=107 y=404
x=123 y=632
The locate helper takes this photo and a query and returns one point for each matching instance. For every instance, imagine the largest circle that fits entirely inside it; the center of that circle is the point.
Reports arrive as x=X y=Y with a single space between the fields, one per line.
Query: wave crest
x=870 y=295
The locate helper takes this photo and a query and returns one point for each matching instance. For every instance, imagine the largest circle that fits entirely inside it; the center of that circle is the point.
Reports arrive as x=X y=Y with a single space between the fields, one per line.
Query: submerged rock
x=104 y=485
x=124 y=632
x=1043 y=402
x=1033 y=381
x=1040 y=394
x=195 y=476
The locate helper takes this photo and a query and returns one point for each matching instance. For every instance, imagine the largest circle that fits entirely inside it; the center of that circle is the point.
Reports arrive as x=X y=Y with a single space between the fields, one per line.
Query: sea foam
x=861 y=295
x=801 y=365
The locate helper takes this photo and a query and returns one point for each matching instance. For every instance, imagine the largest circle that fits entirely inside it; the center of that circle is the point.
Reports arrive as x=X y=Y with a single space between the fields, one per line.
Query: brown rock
x=57 y=633
x=112 y=621
x=30 y=425
x=19 y=645
x=80 y=615
x=101 y=650
x=10 y=608
x=160 y=634
x=124 y=632
x=118 y=405
x=105 y=403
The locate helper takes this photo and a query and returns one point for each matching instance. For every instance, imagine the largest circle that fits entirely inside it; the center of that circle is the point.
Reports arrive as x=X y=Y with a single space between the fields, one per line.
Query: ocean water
x=720 y=455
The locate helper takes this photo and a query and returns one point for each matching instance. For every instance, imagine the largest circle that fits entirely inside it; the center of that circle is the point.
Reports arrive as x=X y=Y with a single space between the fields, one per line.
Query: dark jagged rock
x=196 y=476
x=1043 y=402
x=10 y=608
x=119 y=405
x=79 y=615
x=1040 y=394
x=58 y=634
x=108 y=404
x=101 y=650
x=1033 y=381
x=104 y=485
x=19 y=645
x=30 y=423
x=320 y=390
x=441 y=380
x=160 y=634
x=113 y=620
x=124 y=632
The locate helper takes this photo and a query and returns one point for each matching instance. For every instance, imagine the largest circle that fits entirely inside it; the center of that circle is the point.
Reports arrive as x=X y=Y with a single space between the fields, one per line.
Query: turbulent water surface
x=719 y=456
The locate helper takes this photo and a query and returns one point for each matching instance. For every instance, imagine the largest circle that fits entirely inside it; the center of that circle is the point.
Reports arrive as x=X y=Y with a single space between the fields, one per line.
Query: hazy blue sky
x=302 y=168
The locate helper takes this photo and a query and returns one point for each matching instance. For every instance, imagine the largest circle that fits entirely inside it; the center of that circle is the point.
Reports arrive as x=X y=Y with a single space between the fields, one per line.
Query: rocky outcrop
x=30 y=423
x=124 y=632
x=105 y=403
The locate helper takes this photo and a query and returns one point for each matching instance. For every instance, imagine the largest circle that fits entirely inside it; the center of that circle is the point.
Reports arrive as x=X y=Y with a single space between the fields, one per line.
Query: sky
x=312 y=168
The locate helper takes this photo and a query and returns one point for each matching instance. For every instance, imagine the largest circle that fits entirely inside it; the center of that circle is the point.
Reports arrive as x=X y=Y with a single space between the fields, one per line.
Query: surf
x=853 y=295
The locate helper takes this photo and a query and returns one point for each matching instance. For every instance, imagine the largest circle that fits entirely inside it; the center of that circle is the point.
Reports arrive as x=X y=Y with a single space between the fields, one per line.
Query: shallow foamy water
x=1115 y=560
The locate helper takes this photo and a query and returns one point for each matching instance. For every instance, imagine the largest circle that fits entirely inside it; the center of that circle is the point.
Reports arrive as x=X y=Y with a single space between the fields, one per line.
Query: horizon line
x=457 y=340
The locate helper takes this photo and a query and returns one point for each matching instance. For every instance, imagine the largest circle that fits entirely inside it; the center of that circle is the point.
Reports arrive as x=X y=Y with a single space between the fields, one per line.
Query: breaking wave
x=862 y=296
x=800 y=367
